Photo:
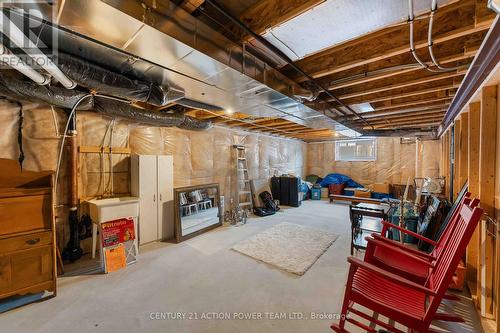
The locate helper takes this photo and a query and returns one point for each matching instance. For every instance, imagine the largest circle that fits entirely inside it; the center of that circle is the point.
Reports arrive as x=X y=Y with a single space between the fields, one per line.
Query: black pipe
x=283 y=56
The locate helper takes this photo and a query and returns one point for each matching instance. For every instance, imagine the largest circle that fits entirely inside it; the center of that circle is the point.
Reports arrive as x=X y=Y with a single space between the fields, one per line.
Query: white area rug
x=291 y=247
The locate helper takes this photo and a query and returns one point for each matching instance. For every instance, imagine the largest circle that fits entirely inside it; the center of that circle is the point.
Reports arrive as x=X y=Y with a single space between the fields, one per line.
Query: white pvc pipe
x=12 y=60
x=20 y=39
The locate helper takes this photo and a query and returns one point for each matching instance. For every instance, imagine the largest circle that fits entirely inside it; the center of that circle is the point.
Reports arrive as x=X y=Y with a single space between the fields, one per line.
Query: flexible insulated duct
x=194 y=124
x=106 y=82
x=27 y=90
x=114 y=108
x=20 y=89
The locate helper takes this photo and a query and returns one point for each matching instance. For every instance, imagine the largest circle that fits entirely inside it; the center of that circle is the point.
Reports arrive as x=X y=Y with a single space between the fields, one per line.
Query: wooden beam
x=270 y=13
x=410 y=117
x=488 y=149
x=472 y=254
x=391 y=42
x=487 y=153
x=404 y=84
x=418 y=121
x=366 y=77
x=456 y=156
x=402 y=114
x=191 y=5
x=405 y=105
x=408 y=126
x=105 y=150
x=391 y=96
x=445 y=161
x=463 y=149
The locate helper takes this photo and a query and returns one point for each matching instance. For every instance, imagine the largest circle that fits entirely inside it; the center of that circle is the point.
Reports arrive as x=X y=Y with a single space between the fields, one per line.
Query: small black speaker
x=275 y=188
x=285 y=191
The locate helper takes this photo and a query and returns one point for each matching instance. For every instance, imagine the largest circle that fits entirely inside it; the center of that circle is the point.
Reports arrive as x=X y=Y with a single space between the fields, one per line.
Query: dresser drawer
x=23 y=242
x=21 y=214
x=26 y=268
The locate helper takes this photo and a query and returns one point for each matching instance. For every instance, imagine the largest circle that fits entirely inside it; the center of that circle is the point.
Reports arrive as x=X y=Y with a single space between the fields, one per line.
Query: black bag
x=268 y=201
x=262 y=211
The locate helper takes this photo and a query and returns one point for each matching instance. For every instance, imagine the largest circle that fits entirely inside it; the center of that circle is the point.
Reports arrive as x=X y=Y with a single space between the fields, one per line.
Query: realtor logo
x=26 y=35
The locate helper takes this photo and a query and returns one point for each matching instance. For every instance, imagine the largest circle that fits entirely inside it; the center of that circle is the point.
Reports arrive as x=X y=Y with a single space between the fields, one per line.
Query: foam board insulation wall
x=199 y=157
x=395 y=162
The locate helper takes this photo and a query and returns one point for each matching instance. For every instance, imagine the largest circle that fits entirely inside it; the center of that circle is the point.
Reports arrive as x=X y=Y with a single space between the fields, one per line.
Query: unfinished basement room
x=250 y=166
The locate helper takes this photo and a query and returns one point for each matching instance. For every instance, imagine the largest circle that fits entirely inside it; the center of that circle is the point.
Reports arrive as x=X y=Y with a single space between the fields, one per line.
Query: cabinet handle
x=154 y=197
x=32 y=241
x=160 y=197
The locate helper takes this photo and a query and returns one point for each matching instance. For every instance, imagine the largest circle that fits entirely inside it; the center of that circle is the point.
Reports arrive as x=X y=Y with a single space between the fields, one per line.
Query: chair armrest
x=402 y=246
x=389 y=276
x=400 y=251
x=411 y=233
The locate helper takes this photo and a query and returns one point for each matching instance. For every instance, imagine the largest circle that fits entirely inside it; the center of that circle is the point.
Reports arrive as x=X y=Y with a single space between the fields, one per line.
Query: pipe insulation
x=193 y=124
x=23 y=42
x=12 y=60
x=105 y=82
x=26 y=90
x=115 y=108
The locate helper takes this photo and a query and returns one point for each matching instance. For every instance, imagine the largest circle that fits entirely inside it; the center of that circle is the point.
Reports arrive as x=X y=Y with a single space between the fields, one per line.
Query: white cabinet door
x=148 y=215
x=166 y=197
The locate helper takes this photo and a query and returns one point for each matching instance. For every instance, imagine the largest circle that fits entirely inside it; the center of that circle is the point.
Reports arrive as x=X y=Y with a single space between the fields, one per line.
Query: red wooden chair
x=401 y=300
x=407 y=262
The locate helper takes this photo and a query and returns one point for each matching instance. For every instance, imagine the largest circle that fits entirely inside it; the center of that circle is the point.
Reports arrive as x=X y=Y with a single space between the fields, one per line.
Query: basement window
x=356 y=150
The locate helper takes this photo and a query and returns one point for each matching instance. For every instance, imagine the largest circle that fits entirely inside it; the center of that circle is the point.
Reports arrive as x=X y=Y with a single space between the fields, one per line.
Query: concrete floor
x=203 y=278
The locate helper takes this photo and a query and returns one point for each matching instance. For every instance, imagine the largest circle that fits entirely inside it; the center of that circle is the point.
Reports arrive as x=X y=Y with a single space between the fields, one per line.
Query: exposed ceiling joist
x=451 y=22
x=367 y=77
x=191 y=5
x=404 y=106
x=398 y=95
x=404 y=84
x=406 y=119
x=412 y=125
x=270 y=13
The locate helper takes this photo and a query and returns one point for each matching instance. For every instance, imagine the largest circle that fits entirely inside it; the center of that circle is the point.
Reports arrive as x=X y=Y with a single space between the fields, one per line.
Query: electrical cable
x=430 y=43
x=58 y=167
x=73 y=110
x=412 y=44
x=20 y=135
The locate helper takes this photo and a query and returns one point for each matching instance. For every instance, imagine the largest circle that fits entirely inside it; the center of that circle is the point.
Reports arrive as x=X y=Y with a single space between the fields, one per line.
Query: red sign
x=117 y=231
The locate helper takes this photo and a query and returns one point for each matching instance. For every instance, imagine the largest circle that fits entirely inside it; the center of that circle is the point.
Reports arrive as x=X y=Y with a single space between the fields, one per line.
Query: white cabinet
x=152 y=180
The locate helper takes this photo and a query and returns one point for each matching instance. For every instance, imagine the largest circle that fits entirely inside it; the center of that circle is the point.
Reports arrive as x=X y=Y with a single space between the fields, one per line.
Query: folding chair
x=401 y=300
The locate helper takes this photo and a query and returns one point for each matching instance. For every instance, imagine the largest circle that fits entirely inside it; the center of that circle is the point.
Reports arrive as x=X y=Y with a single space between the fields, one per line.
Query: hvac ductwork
x=114 y=108
x=19 y=89
x=106 y=82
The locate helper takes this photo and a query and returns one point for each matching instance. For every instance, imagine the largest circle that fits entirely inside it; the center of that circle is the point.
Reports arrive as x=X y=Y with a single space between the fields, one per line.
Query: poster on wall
x=117 y=231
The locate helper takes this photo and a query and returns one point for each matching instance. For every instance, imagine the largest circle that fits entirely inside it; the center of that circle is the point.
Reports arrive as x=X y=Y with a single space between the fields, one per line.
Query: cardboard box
x=382 y=188
x=324 y=193
x=362 y=194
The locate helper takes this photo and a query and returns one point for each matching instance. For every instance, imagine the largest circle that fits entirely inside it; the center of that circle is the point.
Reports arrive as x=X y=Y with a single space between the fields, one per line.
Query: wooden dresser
x=27 y=231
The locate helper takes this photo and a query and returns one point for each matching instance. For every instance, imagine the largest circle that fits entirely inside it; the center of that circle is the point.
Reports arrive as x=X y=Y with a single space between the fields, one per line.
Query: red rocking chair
x=407 y=262
x=401 y=300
